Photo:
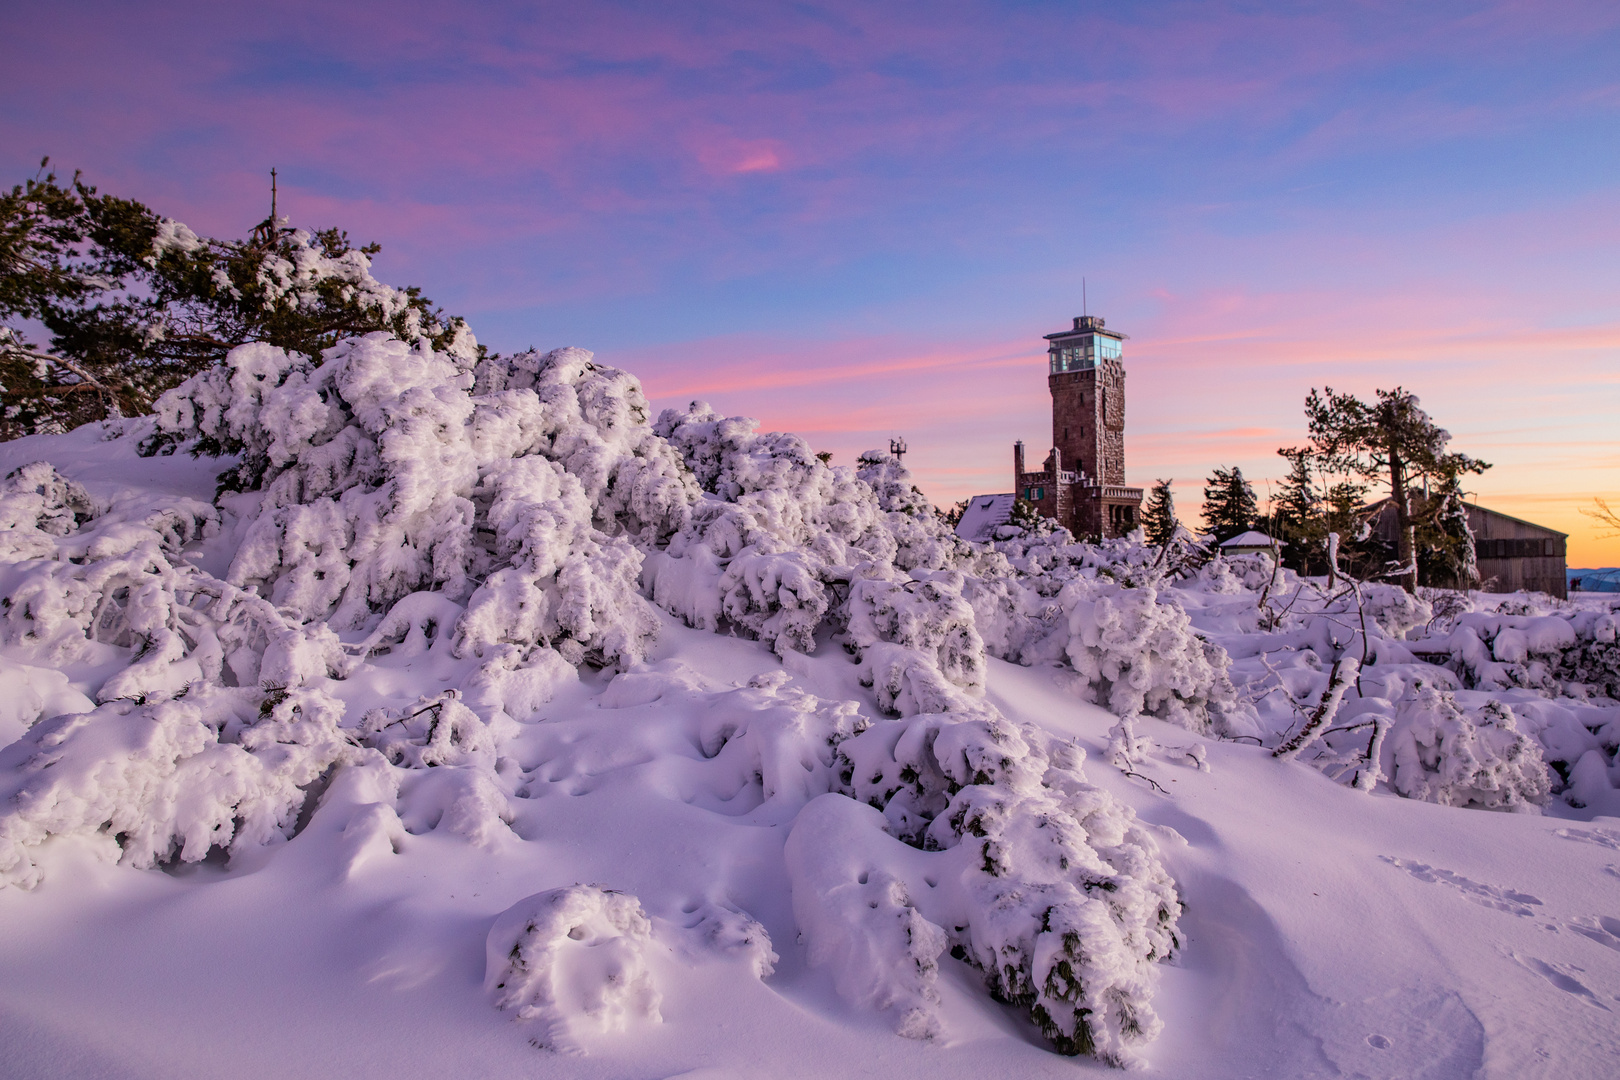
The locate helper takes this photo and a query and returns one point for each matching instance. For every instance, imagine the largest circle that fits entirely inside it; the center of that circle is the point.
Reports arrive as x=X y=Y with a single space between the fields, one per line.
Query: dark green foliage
x=1159 y=516
x=1229 y=504
x=1026 y=515
x=1296 y=516
x=1344 y=512
x=134 y=302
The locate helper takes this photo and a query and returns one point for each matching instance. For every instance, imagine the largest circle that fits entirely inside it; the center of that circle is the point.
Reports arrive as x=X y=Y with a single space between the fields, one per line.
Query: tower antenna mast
x=272 y=196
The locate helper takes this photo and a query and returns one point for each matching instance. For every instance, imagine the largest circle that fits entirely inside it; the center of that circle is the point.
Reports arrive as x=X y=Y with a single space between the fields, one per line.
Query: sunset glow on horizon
x=857 y=221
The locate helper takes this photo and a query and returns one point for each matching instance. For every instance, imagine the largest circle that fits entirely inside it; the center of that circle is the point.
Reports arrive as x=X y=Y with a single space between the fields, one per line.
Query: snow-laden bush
x=1393 y=608
x=513 y=514
x=726 y=931
x=1443 y=754
x=117 y=578
x=1113 y=619
x=1557 y=652
x=1139 y=655
x=574 y=960
x=925 y=614
x=790 y=544
x=446 y=757
x=218 y=768
x=782 y=532
x=37 y=504
x=381 y=473
x=1055 y=892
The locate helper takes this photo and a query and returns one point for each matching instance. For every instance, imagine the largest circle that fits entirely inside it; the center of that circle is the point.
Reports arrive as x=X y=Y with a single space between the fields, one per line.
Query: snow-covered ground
x=494 y=727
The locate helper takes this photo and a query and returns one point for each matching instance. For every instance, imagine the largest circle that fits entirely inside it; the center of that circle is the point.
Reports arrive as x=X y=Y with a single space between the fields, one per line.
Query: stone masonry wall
x=1088 y=420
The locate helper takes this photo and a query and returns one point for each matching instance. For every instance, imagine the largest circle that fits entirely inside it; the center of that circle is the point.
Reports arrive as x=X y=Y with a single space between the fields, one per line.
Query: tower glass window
x=1081 y=353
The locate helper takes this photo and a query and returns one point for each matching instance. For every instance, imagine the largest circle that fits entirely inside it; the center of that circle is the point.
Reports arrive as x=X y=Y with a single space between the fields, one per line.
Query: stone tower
x=1087 y=380
x=1081 y=484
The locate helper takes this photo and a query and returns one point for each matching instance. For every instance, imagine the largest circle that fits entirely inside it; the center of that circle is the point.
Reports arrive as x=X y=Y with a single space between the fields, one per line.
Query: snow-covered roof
x=983 y=514
x=1250 y=539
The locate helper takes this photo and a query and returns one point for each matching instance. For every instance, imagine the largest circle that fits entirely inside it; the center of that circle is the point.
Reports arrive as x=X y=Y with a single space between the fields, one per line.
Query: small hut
x=1247 y=543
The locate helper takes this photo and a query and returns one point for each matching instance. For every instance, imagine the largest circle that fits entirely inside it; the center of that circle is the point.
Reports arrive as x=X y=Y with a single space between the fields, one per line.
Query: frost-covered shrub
x=382 y=473
x=773 y=549
x=926 y=614
x=1580 y=741
x=592 y=420
x=574 y=960
x=1057 y=894
x=38 y=504
x=736 y=935
x=447 y=755
x=515 y=513
x=117 y=577
x=1139 y=654
x=219 y=768
x=1546 y=652
x=1443 y=754
x=1394 y=609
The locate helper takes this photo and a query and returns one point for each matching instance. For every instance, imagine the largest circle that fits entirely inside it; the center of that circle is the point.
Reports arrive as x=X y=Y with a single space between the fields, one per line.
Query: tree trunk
x=1406 y=532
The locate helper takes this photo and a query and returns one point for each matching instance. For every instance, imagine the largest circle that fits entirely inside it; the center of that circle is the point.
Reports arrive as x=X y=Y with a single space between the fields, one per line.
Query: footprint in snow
x=1560 y=977
x=1601 y=837
x=1491 y=896
x=1602 y=929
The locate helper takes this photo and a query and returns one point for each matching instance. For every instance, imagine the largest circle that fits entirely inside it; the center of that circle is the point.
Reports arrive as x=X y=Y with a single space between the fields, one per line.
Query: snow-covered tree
x=1391 y=440
x=1159 y=516
x=135 y=302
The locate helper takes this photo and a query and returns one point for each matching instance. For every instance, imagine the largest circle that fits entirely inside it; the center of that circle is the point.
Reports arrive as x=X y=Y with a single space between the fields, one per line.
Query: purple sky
x=857 y=220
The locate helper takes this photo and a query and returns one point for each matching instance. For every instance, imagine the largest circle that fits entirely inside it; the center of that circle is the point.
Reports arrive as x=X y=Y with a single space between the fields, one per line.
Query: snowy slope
x=692 y=764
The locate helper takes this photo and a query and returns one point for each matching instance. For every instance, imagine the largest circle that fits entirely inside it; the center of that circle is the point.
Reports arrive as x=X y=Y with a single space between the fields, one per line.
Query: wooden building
x=1512 y=554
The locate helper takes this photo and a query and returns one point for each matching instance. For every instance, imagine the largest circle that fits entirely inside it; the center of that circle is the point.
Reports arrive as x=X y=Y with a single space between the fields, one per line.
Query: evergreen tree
x=1027 y=516
x=1229 y=504
x=1296 y=514
x=1393 y=441
x=1344 y=513
x=134 y=302
x=1445 y=540
x=1159 y=516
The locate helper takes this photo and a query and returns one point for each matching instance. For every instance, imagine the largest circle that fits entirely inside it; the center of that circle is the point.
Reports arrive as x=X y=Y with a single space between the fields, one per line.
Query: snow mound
x=860 y=921
x=573 y=960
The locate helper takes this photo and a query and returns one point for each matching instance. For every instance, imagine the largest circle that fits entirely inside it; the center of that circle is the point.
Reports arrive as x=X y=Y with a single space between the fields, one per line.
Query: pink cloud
x=733 y=157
